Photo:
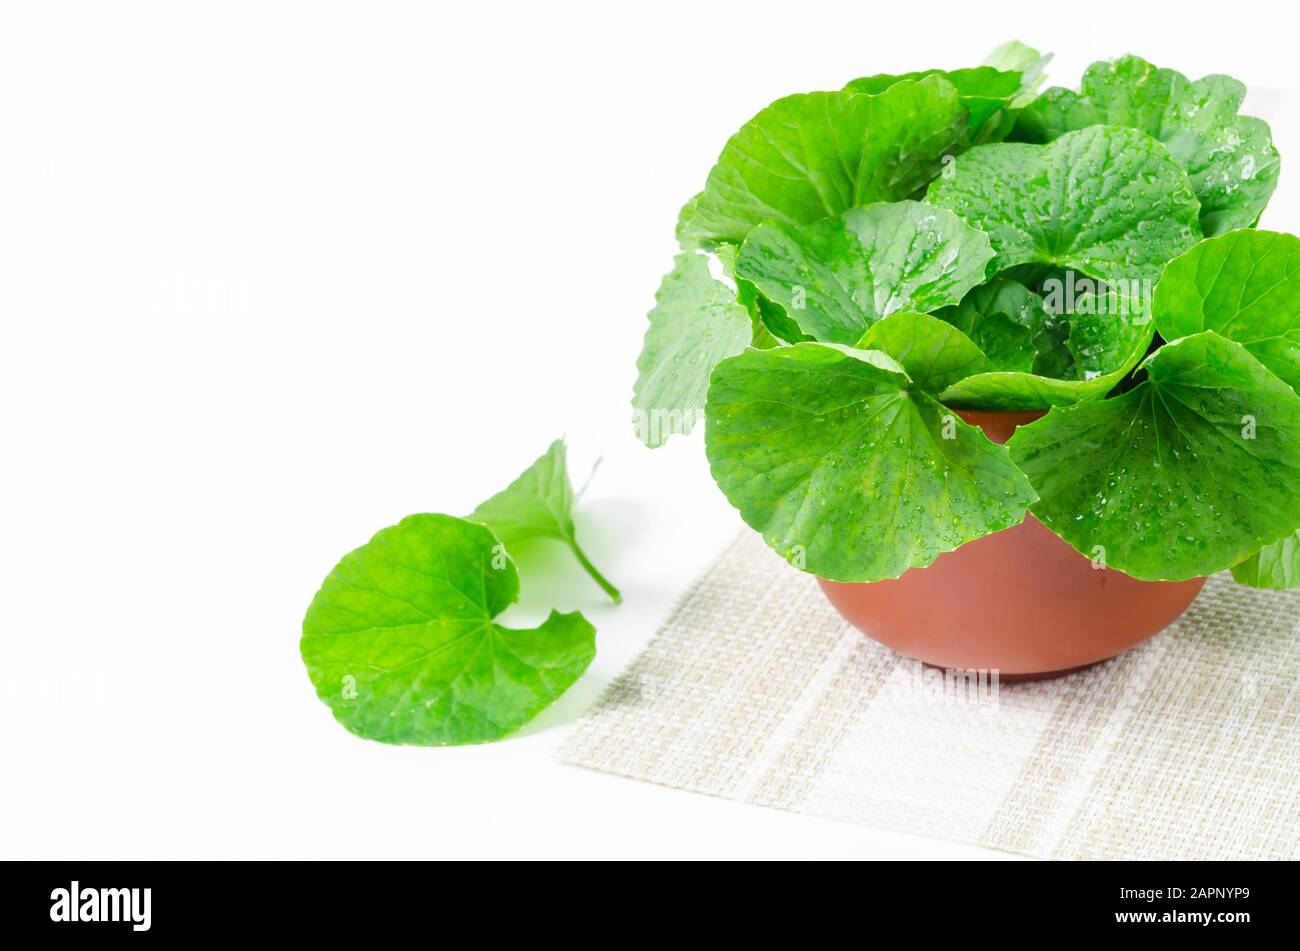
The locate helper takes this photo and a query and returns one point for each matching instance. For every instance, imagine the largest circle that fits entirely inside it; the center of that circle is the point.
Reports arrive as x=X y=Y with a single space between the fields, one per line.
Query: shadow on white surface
x=551 y=579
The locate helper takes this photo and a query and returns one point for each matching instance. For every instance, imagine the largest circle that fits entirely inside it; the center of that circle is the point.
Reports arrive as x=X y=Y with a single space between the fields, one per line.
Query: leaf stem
x=596 y=576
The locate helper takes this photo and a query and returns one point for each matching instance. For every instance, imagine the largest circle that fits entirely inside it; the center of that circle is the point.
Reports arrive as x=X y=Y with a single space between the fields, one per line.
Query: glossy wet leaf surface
x=846 y=468
x=1229 y=158
x=836 y=277
x=1187 y=474
x=1109 y=202
x=1009 y=323
x=1105 y=342
x=771 y=325
x=812 y=155
x=1244 y=286
x=935 y=354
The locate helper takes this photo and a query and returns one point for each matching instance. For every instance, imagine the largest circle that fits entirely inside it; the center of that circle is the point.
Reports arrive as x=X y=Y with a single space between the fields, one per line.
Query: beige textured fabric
x=756 y=690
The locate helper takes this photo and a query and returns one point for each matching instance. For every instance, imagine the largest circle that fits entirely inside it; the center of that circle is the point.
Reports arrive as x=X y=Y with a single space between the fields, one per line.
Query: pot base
x=1031 y=678
x=1021 y=602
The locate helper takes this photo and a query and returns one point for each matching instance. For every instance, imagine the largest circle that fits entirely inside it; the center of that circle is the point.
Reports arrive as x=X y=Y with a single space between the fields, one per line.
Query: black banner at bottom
x=363 y=900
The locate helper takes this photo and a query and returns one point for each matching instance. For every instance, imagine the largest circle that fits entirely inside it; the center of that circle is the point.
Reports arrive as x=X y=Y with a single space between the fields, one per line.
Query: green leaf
x=1277 y=566
x=1107 y=335
x=401 y=642
x=696 y=321
x=1245 y=286
x=1109 y=202
x=812 y=155
x=1008 y=391
x=1007 y=345
x=770 y=316
x=1016 y=56
x=836 y=277
x=846 y=468
x=1230 y=159
x=685 y=222
x=1107 y=339
x=934 y=354
x=1008 y=322
x=983 y=91
x=1187 y=474
x=539 y=504
x=771 y=325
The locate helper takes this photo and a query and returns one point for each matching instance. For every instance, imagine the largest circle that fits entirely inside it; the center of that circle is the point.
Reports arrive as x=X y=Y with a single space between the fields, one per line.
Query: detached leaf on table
x=402 y=644
x=539 y=504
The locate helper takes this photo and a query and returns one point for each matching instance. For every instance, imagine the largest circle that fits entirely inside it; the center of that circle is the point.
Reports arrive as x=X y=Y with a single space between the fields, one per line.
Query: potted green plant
x=1010 y=372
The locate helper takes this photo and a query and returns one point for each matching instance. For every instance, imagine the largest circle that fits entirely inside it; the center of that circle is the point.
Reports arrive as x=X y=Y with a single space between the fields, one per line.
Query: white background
x=273 y=276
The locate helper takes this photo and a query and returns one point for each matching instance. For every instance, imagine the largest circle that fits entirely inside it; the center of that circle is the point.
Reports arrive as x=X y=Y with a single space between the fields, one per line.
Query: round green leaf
x=1102 y=341
x=1229 y=158
x=1245 y=286
x=816 y=154
x=985 y=93
x=1109 y=202
x=1009 y=323
x=837 y=276
x=846 y=469
x=1105 y=350
x=1187 y=474
x=935 y=354
x=1027 y=61
x=401 y=641
x=696 y=321
x=771 y=324
x=1005 y=391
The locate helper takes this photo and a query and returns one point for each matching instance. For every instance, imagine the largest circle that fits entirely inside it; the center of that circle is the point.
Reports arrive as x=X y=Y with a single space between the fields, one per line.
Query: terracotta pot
x=1021 y=602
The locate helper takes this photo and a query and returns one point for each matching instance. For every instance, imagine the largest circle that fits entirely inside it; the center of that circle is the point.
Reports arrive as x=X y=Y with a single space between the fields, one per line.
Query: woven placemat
x=756 y=690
